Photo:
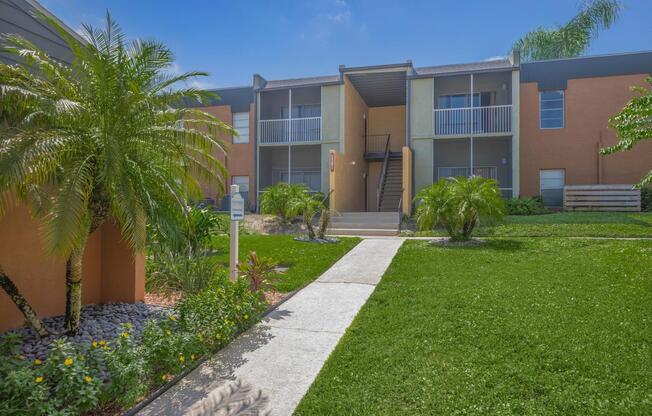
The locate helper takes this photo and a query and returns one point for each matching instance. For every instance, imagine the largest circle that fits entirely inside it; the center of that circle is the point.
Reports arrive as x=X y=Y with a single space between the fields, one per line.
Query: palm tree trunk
x=30 y=316
x=73 y=291
x=324 y=219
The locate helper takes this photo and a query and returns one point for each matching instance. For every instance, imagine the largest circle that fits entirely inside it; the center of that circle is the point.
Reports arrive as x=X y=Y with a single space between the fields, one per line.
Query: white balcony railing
x=278 y=131
x=472 y=120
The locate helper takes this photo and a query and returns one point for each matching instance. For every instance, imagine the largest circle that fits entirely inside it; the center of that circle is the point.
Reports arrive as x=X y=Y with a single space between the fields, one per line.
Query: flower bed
x=108 y=375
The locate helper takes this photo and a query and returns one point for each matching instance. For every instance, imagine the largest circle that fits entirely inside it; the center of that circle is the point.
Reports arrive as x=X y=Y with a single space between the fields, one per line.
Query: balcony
x=488 y=120
x=294 y=130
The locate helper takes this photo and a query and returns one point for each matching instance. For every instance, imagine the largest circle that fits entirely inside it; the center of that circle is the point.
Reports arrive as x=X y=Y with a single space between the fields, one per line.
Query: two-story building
x=371 y=137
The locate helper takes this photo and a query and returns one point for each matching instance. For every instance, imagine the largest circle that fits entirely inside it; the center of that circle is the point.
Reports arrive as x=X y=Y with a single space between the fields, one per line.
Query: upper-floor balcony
x=290 y=130
x=290 y=115
x=488 y=120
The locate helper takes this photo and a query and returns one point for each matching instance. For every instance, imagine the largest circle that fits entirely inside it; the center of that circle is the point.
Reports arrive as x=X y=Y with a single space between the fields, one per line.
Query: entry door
x=551 y=184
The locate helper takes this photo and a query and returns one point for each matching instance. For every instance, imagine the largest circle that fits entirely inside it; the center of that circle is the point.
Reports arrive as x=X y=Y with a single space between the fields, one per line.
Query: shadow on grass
x=494 y=245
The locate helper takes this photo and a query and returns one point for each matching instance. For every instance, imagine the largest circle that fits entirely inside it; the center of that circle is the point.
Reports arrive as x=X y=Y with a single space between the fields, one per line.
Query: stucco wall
x=423 y=163
x=240 y=158
x=110 y=271
x=330 y=113
x=589 y=102
x=421 y=105
x=388 y=120
x=350 y=165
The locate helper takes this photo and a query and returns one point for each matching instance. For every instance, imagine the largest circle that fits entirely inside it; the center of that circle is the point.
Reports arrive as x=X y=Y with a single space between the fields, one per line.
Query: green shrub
x=67 y=383
x=646 y=199
x=201 y=323
x=182 y=262
x=458 y=205
x=525 y=206
x=278 y=200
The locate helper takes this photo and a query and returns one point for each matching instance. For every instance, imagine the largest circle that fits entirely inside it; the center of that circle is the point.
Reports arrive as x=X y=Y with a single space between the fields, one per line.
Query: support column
x=471 y=129
x=290 y=135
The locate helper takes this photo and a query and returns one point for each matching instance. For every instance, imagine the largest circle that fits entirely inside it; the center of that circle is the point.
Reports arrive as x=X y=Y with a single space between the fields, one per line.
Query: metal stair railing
x=381 y=180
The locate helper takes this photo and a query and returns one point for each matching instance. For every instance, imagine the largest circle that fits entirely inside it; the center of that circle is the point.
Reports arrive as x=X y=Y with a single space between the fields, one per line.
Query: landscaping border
x=157 y=393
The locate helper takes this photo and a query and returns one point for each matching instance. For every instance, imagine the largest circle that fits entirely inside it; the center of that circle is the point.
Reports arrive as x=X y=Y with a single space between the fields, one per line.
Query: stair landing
x=365 y=223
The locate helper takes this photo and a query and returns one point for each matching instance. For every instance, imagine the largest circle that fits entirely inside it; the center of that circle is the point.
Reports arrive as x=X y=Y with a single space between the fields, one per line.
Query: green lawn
x=569 y=224
x=519 y=326
x=306 y=261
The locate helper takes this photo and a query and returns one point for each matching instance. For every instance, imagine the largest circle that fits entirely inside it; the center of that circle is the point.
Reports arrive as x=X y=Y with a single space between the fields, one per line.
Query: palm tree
x=307 y=205
x=573 y=38
x=459 y=205
x=103 y=139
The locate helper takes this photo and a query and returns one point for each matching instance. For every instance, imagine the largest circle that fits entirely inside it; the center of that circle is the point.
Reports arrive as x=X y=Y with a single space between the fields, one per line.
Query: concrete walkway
x=269 y=368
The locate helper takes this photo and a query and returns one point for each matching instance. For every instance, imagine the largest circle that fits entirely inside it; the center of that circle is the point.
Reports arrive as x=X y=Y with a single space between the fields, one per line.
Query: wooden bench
x=602 y=198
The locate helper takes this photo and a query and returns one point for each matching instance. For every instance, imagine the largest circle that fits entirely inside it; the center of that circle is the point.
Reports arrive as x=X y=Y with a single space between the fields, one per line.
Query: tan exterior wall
x=240 y=158
x=110 y=271
x=388 y=120
x=406 y=207
x=588 y=104
x=421 y=106
x=348 y=179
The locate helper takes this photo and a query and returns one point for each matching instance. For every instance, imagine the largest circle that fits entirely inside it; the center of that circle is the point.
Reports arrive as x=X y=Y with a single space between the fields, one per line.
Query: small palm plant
x=277 y=200
x=458 y=205
x=103 y=139
x=308 y=205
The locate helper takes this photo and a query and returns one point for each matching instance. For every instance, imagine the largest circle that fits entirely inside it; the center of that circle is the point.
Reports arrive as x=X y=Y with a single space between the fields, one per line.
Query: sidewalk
x=270 y=367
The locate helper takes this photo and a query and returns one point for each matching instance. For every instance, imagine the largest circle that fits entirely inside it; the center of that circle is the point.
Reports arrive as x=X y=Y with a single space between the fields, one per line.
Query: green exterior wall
x=330 y=113
x=421 y=105
x=423 y=163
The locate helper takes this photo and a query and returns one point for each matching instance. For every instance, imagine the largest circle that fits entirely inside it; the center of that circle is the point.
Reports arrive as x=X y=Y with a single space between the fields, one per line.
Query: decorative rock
x=98 y=322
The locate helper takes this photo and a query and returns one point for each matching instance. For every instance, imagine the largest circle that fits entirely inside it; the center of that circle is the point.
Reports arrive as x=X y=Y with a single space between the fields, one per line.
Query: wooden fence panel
x=602 y=198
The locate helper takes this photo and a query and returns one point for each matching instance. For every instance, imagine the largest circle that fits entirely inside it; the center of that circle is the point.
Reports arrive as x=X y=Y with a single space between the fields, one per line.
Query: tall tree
x=633 y=125
x=103 y=139
x=573 y=38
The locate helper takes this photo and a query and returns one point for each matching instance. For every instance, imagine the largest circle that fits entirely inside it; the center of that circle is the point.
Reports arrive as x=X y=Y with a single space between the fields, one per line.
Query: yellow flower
x=167 y=332
x=182 y=358
x=94 y=344
x=125 y=334
x=37 y=362
x=192 y=357
x=173 y=318
x=102 y=342
x=246 y=317
x=21 y=357
x=68 y=361
x=88 y=379
x=38 y=379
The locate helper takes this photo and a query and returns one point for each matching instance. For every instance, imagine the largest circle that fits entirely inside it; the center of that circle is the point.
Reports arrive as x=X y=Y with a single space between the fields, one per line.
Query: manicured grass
x=569 y=224
x=516 y=327
x=306 y=261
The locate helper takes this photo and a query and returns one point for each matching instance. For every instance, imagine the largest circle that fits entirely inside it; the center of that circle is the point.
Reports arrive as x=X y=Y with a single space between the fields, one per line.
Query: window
x=241 y=124
x=242 y=182
x=312 y=179
x=551 y=109
x=302 y=111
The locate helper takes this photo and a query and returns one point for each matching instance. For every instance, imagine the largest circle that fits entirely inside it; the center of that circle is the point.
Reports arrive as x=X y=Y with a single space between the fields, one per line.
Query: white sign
x=237 y=207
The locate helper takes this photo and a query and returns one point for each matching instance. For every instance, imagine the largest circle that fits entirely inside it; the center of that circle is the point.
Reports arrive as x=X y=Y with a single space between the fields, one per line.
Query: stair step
x=362 y=232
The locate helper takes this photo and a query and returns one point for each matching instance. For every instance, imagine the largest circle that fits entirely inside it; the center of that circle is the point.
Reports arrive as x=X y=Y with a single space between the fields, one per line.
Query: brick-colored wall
x=589 y=103
x=240 y=158
x=110 y=272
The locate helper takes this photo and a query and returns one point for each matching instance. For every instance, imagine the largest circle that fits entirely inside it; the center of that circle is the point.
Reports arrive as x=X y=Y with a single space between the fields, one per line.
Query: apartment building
x=373 y=136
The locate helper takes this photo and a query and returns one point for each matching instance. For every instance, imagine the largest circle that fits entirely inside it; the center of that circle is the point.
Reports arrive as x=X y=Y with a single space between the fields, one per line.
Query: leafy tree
x=573 y=38
x=459 y=205
x=103 y=139
x=634 y=124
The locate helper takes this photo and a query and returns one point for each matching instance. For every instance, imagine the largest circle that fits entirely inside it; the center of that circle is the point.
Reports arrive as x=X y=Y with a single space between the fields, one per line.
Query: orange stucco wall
x=348 y=180
x=240 y=158
x=388 y=120
x=110 y=271
x=589 y=103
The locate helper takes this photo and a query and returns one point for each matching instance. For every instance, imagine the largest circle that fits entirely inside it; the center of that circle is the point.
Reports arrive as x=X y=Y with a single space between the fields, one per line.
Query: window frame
x=233 y=182
x=563 y=110
x=239 y=139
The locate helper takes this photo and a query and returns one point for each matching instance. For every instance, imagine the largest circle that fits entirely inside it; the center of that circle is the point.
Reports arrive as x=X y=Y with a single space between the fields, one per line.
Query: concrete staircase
x=392 y=188
x=365 y=223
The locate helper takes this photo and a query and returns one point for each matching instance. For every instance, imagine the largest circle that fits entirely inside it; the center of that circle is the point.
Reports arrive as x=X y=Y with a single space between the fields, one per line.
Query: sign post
x=237 y=214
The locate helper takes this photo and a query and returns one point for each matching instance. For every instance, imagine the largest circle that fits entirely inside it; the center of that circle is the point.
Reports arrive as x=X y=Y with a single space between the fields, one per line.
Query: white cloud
x=341 y=17
x=496 y=58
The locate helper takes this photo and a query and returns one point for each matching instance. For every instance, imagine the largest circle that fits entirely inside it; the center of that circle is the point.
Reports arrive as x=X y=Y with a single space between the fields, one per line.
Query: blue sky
x=288 y=39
